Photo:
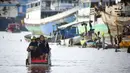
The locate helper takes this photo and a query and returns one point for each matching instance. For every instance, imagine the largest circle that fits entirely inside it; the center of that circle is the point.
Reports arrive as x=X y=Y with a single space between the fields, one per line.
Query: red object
x=38 y=61
x=12 y=26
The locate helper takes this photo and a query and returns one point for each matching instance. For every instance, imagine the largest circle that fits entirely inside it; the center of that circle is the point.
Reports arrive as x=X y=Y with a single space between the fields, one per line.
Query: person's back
x=32 y=45
x=44 y=47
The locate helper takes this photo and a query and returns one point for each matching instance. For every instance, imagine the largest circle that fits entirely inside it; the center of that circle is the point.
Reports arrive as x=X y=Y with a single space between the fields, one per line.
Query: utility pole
x=58 y=1
x=110 y=2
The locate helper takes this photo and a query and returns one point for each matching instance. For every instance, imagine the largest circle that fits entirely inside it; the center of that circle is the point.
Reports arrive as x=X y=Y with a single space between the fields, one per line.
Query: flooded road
x=64 y=59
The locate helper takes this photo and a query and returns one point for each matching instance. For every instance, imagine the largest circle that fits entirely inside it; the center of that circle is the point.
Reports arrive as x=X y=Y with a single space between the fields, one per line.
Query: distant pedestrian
x=128 y=50
x=116 y=43
x=103 y=41
x=71 y=42
x=98 y=43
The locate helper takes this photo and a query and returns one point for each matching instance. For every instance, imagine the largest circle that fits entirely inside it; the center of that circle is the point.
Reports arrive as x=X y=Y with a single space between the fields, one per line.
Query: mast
x=110 y=2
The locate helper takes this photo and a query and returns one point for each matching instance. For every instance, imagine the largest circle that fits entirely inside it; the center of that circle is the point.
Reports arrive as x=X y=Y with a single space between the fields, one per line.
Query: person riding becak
x=32 y=47
x=44 y=47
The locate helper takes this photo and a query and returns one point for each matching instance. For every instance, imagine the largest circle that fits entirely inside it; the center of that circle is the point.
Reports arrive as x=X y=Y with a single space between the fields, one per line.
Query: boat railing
x=59 y=15
x=56 y=9
x=33 y=9
x=45 y=8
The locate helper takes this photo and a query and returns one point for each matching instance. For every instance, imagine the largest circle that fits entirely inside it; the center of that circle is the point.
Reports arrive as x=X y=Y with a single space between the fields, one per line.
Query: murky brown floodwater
x=64 y=59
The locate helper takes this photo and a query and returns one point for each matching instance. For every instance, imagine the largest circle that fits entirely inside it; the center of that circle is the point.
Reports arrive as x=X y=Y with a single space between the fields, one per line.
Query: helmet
x=33 y=38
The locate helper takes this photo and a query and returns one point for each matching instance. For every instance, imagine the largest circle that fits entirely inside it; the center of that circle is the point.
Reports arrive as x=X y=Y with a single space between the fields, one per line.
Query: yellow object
x=82 y=42
x=102 y=33
x=125 y=44
x=81 y=29
x=22 y=22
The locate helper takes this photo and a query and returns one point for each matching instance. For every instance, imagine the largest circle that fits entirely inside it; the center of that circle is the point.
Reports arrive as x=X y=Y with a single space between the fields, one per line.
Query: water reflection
x=39 y=69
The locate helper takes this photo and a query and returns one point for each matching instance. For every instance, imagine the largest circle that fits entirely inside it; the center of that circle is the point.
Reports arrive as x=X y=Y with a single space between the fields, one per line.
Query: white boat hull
x=76 y=40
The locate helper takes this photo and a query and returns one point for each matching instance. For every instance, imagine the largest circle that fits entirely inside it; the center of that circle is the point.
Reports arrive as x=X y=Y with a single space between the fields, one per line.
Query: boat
x=48 y=24
x=4 y=23
x=76 y=29
x=6 y=8
x=48 y=14
x=11 y=11
x=117 y=18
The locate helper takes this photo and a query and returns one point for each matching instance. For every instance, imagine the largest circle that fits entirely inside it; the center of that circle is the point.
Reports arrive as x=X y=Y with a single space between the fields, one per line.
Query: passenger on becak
x=44 y=47
x=32 y=47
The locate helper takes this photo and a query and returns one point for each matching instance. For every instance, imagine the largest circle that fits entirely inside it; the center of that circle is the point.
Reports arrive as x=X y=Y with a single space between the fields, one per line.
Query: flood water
x=64 y=59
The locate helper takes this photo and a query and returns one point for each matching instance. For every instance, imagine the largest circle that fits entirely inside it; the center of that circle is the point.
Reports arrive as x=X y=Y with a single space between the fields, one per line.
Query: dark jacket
x=44 y=47
x=35 y=44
